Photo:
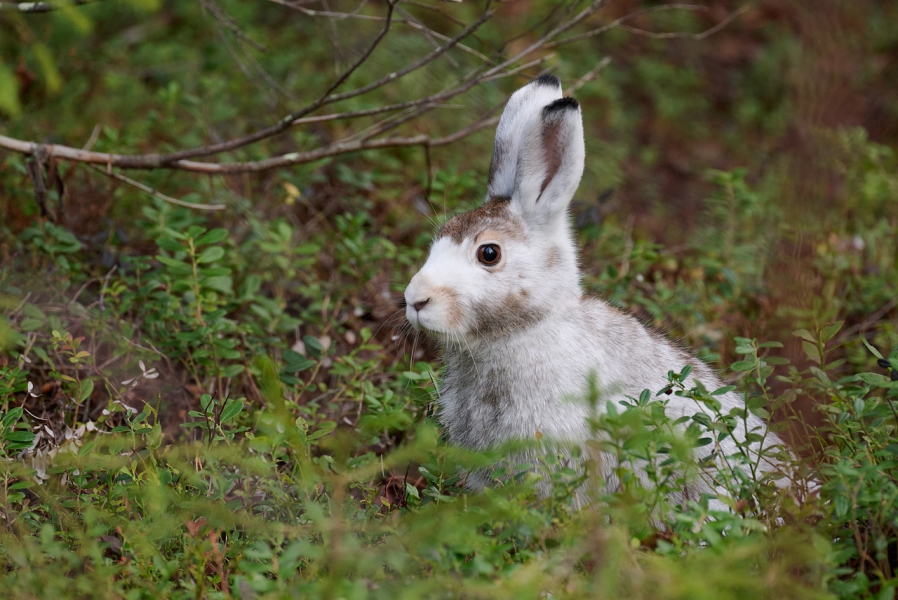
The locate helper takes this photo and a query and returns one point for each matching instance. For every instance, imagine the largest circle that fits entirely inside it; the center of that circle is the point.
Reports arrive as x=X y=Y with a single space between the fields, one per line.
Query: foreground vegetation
x=225 y=404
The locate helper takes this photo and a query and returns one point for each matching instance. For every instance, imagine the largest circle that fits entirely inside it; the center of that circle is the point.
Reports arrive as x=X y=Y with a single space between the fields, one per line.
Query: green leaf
x=231 y=410
x=172 y=262
x=805 y=335
x=325 y=428
x=830 y=330
x=294 y=361
x=770 y=345
x=776 y=360
x=233 y=370
x=87 y=448
x=760 y=412
x=12 y=416
x=871 y=348
x=812 y=351
x=313 y=346
x=211 y=237
x=142 y=416
x=51 y=75
x=31 y=324
x=873 y=378
x=167 y=243
x=219 y=284
x=724 y=390
x=9 y=92
x=25 y=437
x=87 y=388
x=210 y=254
x=823 y=377
x=30 y=310
x=743 y=365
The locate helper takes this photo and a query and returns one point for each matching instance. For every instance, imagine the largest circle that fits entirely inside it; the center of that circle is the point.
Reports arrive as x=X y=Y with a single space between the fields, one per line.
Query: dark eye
x=489 y=254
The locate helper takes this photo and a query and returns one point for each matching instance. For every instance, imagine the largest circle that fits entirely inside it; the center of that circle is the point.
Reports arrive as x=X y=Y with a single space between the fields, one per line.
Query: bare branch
x=391 y=4
x=689 y=36
x=226 y=21
x=589 y=76
x=618 y=22
x=156 y=193
x=360 y=141
x=293 y=158
x=326 y=13
x=280 y=126
x=40 y=7
x=415 y=24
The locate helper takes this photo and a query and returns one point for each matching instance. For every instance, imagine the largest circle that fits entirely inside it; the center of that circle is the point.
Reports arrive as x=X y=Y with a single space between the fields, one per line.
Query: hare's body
x=488 y=399
x=501 y=291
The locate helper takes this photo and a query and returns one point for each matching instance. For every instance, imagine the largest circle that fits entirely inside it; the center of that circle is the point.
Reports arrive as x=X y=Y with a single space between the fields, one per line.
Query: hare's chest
x=496 y=402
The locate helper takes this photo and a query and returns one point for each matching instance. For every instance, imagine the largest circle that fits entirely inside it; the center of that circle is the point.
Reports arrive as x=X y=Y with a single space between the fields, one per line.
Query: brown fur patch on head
x=506 y=316
x=493 y=212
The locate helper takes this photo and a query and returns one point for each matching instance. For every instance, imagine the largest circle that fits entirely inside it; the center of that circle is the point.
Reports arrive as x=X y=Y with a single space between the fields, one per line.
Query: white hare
x=501 y=292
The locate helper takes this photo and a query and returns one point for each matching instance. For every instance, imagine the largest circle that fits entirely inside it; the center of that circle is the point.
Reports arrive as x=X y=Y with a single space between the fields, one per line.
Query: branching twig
x=688 y=36
x=176 y=160
x=158 y=194
x=40 y=7
x=226 y=21
x=589 y=76
x=619 y=22
x=489 y=70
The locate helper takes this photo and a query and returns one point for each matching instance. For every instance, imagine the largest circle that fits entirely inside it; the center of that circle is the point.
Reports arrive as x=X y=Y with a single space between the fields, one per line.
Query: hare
x=501 y=292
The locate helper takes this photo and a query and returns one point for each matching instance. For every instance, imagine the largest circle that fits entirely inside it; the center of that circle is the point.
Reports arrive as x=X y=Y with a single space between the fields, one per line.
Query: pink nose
x=419 y=305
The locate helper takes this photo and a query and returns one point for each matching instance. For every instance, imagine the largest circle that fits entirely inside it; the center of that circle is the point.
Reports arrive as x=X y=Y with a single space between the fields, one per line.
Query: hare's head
x=511 y=262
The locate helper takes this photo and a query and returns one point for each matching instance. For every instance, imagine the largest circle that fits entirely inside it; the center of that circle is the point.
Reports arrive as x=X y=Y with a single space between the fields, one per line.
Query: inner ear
x=551 y=152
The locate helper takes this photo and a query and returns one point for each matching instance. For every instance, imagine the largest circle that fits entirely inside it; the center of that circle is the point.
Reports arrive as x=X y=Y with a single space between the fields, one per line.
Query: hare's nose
x=419 y=305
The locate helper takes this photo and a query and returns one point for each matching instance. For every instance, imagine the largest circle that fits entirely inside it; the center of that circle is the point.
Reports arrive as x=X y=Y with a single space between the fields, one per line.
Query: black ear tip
x=561 y=105
x=549 y=80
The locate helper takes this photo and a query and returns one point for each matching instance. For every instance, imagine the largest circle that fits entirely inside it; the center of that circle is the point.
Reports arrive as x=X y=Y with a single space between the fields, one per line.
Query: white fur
x=521 y=338
x=519 y=112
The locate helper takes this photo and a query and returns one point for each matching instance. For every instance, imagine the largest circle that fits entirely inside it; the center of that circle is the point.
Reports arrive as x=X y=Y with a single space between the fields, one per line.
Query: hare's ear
x=550 y=164
x=522 y=107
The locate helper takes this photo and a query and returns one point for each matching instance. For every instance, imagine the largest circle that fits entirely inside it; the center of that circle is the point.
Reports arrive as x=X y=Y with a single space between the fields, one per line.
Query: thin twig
x=94 y=135
x=224 y=19
x=415 y=24
x=689 y=36
x=328 y=97
x=619 y=22
x=866 y=323
x=160 y=195
x=520 y=69
x=589 y=76
x=177 y=160
x=41 y=7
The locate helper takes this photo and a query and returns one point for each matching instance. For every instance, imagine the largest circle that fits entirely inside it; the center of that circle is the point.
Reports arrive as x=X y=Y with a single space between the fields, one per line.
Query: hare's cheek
x=443 y=310
x=511 y=314
x=435 y=308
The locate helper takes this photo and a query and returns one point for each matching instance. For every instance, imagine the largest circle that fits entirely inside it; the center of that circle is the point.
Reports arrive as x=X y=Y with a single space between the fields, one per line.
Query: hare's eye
x=489 y=254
